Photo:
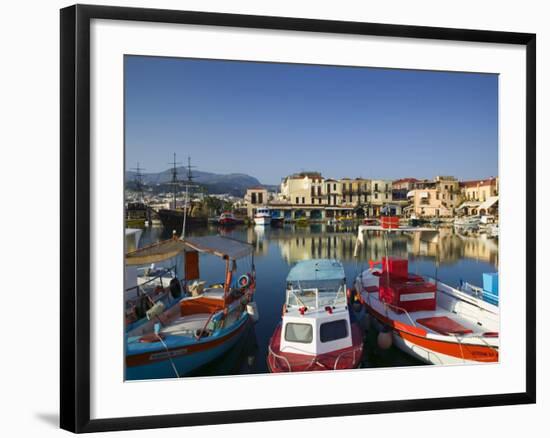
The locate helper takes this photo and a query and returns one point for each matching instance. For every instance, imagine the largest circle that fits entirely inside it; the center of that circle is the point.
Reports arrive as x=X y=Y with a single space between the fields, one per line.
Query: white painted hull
x=426 y=355
x=262 y=220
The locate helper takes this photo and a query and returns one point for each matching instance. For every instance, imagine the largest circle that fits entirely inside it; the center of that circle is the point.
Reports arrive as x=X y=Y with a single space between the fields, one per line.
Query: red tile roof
x=478 y=182
x=403 y=180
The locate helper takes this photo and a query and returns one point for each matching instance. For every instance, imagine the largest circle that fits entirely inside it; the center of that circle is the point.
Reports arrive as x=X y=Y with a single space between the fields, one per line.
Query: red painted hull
x=346 y=358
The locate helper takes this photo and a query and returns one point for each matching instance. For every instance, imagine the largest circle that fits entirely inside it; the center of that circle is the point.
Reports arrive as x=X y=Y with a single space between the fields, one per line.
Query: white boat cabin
x=316 y=319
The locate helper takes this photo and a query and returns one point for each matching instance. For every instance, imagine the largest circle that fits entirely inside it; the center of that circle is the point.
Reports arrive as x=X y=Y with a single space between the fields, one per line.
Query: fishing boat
x=415 y=221
x=422 y=316
x=277 y=221
x=206 y=322
x=467 y=223
x=316 y=332
x=227 y=219
x=147 y=287
x=262 y=216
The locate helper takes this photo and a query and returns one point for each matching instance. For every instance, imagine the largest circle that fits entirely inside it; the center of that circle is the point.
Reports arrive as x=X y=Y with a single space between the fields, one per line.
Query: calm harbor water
x=451 y=257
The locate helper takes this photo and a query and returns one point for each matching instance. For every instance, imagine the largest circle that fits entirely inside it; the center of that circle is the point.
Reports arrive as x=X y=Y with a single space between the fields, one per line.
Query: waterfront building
x=256 y=197
x=438 y=198
x=382 y=197
x=479 y=190
x=309 y=195
x=406 y=184
x=480 y=197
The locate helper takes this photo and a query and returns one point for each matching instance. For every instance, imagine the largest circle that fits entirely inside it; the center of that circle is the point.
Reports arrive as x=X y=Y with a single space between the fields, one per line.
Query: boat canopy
x=316 y=270
x=220 y=246
x=158 y=252
x=224 y=247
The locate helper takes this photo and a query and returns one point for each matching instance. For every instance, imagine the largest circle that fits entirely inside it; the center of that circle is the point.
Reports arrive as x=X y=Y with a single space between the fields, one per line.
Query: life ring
x=244 y=281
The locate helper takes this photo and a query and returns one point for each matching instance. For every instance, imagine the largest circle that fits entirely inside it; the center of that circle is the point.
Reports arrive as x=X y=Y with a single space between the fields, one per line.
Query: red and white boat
x=317 y=332
x=424 y=317
x=228 y=218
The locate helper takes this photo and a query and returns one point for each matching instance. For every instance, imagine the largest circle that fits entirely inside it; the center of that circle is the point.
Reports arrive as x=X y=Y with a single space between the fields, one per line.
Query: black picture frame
x=75 y=217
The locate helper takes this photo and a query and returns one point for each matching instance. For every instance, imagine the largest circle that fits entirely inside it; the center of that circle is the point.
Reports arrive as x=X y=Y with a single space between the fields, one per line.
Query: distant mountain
x=232 y=183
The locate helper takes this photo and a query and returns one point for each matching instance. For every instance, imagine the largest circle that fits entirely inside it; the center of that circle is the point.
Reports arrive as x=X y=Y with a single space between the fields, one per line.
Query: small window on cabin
x=332 y=331
x=298 y=332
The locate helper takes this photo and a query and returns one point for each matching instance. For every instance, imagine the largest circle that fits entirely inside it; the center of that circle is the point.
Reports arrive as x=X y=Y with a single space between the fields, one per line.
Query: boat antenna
x=188 y=184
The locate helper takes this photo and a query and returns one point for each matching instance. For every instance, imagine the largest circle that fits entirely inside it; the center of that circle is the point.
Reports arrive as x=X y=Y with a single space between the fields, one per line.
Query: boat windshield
x=316 y=295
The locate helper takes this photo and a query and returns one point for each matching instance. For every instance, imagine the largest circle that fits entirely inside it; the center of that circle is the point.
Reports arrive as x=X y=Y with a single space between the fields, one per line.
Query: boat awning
x=220 y=246
x=155 y=253
x=489 y=203
x=316 y=270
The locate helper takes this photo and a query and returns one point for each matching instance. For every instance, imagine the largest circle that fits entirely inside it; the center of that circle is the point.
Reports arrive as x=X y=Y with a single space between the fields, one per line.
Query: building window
x=376 y=196
x=253 y=198
x=334 y=187
x=303 y=200
x=260 y=198
x=297 y=200
x=376 y=187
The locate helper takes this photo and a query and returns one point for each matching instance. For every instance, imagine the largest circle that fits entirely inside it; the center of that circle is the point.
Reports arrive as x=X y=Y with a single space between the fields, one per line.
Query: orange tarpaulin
x=192 y=265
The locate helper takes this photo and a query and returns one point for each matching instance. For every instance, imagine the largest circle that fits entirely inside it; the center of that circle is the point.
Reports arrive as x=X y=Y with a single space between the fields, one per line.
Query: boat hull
x=185 y=358
x=173 y=220
x=432 y=350
x=347 y=358
x=262 y=220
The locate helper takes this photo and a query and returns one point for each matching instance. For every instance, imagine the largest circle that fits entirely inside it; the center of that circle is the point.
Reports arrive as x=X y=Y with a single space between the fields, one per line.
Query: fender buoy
x=384 y=340
x=244 y=281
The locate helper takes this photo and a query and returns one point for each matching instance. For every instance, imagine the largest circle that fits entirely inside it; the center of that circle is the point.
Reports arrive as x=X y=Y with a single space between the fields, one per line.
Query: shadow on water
x=452 y=258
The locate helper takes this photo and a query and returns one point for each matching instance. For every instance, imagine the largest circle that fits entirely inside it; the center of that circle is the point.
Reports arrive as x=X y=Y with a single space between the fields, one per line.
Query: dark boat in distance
x=172 y=219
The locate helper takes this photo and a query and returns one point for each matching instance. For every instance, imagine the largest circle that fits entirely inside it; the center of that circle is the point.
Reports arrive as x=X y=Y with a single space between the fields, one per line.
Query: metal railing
x=310 y=363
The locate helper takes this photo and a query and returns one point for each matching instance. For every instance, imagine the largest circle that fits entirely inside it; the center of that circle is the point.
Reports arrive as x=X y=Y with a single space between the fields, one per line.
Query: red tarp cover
x=444 y=325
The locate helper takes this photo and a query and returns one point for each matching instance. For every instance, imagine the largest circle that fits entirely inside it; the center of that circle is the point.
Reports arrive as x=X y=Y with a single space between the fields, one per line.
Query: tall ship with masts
x=177 y=217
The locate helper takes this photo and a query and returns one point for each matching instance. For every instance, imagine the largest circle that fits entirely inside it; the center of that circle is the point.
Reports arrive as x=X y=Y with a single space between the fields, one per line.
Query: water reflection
x=324 y=241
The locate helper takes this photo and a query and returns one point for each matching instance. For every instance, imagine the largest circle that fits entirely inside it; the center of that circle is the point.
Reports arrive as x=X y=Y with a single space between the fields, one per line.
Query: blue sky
x=270 y=120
